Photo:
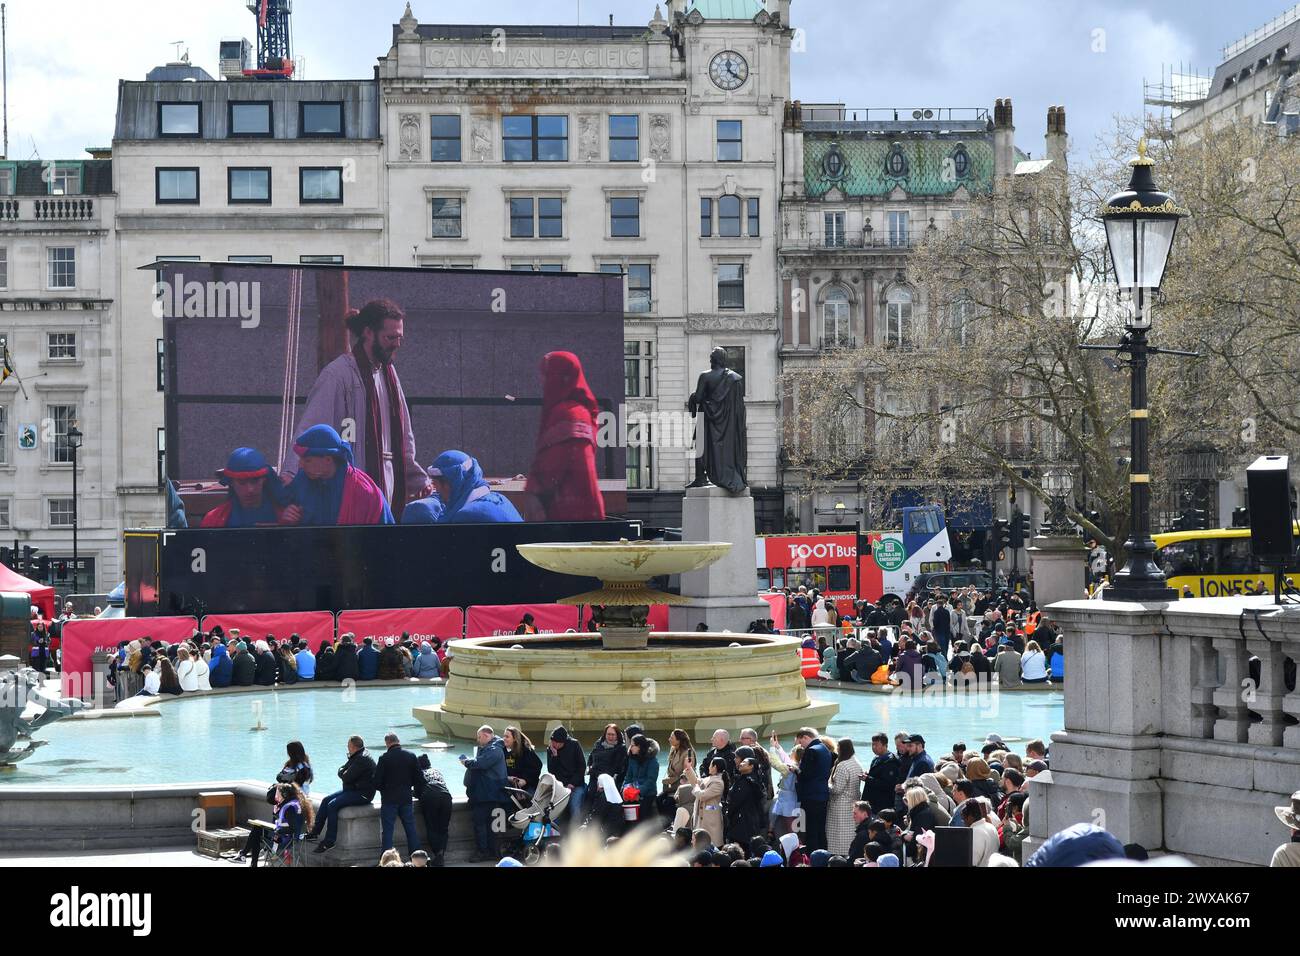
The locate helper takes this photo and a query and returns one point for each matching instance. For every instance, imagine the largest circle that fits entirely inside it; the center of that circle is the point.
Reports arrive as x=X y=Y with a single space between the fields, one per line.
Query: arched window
x=961 y=314
x=835 y=320
x=898 y=317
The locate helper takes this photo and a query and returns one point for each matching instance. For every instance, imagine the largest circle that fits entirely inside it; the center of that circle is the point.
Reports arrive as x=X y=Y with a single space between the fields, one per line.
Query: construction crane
x=274 y=61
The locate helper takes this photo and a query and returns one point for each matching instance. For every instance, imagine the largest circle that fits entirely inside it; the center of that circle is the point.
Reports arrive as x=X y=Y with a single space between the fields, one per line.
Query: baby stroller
x=533 y=815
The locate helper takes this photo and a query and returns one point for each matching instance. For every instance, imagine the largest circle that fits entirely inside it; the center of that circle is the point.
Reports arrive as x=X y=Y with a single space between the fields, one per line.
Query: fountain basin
x=693 y=681
x=624 y=561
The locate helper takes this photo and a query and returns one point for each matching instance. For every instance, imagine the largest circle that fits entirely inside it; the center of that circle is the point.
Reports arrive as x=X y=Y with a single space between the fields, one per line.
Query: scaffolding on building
x=1178 y=89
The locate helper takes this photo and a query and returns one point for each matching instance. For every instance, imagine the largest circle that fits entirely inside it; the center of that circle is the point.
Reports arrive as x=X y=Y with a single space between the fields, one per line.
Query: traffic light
x=61 y=570
x=29 y=558
x=6 y=557
x=1002 y=533
x=40 y=567
x=1017 y=539
x=1241 y=517
x=990 y=547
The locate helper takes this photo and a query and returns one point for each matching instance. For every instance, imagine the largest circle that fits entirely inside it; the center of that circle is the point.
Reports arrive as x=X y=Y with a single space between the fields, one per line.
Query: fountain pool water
x=208 y=739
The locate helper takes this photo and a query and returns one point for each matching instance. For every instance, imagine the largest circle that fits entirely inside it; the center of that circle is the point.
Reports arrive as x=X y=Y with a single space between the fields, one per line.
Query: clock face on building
x=729 y=70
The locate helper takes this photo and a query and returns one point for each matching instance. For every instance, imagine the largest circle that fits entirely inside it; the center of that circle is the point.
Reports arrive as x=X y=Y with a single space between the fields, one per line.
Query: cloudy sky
x=66 y=56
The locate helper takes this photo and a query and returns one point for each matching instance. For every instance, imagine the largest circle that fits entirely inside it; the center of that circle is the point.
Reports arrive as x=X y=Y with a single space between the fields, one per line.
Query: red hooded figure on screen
x=563 y=473
x=255 y=495
x=359 y=395
x=328 y=490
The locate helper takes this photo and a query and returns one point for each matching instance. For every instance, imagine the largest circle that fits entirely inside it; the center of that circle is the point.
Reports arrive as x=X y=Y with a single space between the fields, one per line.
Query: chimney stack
x=1004 y=139
x=1057 y=141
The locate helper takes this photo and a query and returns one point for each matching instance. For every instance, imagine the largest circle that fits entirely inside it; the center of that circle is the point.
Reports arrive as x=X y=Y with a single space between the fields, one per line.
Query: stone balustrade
x=63 y=209
x=1182 y=725
x=49 y=209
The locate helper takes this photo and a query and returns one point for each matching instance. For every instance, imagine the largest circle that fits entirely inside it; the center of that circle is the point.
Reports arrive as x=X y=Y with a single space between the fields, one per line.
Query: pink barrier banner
x=777 y=603
x=84 y=640
x=421 y=623
x=658 y=618
x=311 y=626
x=503 y=619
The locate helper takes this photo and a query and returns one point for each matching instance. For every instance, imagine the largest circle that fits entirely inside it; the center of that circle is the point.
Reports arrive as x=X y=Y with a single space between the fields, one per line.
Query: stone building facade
x=59 y=322
x=653 y=151
x=862 y=188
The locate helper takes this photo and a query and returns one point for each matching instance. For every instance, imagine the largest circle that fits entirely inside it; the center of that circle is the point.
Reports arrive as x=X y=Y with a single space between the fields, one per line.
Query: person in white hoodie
x=186 y=672
x=985 y=838
x=201 y=670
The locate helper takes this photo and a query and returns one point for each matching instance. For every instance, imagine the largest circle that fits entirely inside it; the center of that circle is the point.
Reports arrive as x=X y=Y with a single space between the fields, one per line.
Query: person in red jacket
x=563 y=473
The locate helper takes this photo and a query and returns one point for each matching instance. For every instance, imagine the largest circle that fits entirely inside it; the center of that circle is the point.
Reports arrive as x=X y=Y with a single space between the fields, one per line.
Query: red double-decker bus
x=888 y=564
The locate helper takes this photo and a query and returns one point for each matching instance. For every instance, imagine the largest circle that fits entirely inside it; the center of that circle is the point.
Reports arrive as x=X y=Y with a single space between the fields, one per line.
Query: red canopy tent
x=42 y=595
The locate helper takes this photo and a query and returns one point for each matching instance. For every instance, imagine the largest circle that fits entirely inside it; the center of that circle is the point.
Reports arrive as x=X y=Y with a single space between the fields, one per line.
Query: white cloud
x=63 y=77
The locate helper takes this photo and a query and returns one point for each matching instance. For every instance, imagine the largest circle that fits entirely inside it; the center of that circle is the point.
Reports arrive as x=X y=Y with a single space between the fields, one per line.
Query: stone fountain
x=699 y=681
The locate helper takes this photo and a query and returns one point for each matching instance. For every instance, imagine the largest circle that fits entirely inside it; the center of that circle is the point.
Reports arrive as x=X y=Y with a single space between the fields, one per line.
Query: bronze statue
x=720 y=401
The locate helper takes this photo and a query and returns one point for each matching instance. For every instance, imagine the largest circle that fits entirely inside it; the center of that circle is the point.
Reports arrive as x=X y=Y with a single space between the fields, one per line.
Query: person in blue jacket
x=220 y=667
x=813 y=786
x=367 y=660
x=485 y=781
x=463 y=495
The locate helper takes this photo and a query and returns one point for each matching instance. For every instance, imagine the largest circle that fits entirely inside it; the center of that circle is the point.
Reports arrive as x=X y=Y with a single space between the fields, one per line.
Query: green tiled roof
x=727 y=9
x=865 y=173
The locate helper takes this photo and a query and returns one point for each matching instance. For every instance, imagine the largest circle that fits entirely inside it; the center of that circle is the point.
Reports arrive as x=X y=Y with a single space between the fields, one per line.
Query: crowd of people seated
x=216 y=659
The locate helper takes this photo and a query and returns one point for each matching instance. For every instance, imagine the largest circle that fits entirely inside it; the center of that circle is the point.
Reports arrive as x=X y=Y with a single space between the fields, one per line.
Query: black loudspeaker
x=953 y=846
x=1268 y=482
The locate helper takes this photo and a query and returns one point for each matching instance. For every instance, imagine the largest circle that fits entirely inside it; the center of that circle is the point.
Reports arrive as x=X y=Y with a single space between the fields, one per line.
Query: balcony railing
x=872 y=239
x=63 y=209
x=48 y=209
x=838 y=343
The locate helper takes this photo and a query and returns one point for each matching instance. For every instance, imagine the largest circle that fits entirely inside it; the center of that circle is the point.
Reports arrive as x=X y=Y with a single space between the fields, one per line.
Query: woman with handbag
x=297 y=768
x=296 y=772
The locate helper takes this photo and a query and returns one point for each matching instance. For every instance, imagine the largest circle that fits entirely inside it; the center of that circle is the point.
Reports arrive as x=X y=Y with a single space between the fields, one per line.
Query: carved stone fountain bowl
x=624 y=561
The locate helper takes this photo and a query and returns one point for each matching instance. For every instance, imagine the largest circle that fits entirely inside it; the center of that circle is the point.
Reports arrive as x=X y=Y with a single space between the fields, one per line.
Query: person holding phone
x=710 y=797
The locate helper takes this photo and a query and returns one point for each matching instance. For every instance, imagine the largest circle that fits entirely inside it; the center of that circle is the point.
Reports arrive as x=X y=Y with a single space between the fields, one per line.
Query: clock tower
x=736 y=61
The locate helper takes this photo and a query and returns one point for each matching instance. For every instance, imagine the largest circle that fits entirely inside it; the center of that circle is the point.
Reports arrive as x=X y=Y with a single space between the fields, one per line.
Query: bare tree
x=985 y=381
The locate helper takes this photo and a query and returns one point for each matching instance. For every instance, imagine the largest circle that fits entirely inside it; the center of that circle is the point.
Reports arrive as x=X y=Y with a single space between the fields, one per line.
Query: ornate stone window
x=896 y=162
x=960 y=162
x=834 y=164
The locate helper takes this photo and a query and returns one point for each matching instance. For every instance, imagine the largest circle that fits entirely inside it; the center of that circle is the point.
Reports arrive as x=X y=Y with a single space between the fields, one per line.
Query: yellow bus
x=1213 y=563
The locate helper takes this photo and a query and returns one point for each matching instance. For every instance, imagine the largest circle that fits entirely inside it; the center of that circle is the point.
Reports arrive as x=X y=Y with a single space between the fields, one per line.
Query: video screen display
x=328 y=395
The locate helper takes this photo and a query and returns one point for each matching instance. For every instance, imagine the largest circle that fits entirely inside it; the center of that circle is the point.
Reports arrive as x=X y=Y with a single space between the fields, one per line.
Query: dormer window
x=834 y=165
x=960 y=162
x=896 y=162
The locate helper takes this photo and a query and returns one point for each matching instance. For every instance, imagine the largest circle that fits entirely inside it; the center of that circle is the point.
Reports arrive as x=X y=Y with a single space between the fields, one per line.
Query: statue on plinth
x=718 y=404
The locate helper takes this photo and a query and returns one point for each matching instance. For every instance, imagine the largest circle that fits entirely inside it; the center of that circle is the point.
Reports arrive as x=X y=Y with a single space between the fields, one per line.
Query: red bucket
x=632 y=812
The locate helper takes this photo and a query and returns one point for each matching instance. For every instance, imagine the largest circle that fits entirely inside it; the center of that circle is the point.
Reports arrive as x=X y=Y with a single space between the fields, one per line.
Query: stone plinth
x=1058 y=565
x=723 y=595
x=1166 y=729
x=692 y=681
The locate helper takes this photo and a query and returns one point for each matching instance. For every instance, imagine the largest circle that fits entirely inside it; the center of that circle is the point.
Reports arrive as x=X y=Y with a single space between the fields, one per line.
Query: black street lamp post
x=1140 y=226
x=74 y=443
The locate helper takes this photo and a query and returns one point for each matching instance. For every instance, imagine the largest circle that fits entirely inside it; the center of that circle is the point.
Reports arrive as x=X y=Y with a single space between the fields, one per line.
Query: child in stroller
x=533 y=815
